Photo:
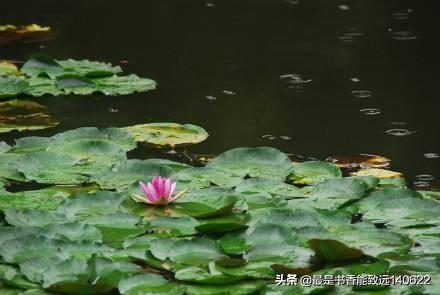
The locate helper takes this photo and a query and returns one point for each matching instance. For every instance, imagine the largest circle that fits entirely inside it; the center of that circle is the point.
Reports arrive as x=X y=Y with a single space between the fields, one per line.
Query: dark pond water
x=321 y=77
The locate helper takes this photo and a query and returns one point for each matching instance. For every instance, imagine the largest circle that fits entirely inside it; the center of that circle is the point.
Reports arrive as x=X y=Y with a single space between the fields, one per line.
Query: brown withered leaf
x=363 y=161
x=10 y=34
x=24 y=115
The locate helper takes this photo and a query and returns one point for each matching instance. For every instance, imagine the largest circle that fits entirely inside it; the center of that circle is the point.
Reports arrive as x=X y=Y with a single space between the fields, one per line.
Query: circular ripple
x=431 y=155
x=399 y=132
x=421 y=184
x=404 y=35
x=296 y=78
x=425 y=177
x=362 y=93
x=370 y=111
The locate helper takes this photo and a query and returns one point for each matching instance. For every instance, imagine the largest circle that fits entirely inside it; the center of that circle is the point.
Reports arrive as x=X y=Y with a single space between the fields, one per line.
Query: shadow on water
x=320 y=77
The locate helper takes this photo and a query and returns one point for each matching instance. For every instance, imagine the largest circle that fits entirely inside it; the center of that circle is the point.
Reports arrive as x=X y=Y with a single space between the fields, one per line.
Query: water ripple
x=431 y=155
x=362 y=93
x=370 y=111
x=403 y=35
x=399 y=132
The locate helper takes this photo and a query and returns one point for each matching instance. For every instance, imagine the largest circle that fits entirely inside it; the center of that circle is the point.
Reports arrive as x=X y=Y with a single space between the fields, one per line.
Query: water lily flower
x=158 y=192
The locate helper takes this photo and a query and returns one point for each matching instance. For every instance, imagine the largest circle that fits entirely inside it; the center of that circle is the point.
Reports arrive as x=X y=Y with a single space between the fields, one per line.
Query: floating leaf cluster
x=248 y=215
x=42 y=75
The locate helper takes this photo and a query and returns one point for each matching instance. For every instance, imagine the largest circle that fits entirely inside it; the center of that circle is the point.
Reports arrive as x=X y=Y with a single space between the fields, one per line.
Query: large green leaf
x=196 y=178
x=255 y=186
x=173 y=226
x=43 y=199
x=197 y=251
x=38 y=65
x=254 y=162
x=206 y=202
x=12 y=86
x=334 y=193
x=313 y=172
x=83 y=205
x=148 y=284
x=241 y=288
x=167 y=134
x=20 y=249
x=205 y=275
x=130 y=172
x=113 y=85
x=400 y=207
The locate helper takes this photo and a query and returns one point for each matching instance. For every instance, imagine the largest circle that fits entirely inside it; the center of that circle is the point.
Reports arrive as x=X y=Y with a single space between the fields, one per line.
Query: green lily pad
x=130 y=172
x=240 y=288
x=167 y=134
x=204 y=177
x=173 y=226
x=313 y=172
x=204 y=275
x=44 y=199
x=114 y=85
x=83 y=205
x=116 y=226
x=148 y=284
x=335 y=193
x=13 y=277
x=254 y=162
x=206 y=202
x=333 y=250
x=225 y=223
x=399 y=207
x=197 y=251
x=51 y=167
x=12 y=86
x=254 y=186
x=20 y=249
x=38 y=65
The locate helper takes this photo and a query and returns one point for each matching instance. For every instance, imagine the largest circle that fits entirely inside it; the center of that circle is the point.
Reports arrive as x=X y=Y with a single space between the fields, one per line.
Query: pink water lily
x=158 y=192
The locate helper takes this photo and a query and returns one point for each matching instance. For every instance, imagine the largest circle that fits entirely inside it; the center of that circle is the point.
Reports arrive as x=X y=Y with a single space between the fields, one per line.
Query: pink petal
x=161 y=187
x=173 y=187
x=167 y=187
x=143 y=188
x=152 y=193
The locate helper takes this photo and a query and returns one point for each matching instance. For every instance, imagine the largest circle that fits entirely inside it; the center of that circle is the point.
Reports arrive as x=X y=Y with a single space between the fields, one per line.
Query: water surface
x=315 y=77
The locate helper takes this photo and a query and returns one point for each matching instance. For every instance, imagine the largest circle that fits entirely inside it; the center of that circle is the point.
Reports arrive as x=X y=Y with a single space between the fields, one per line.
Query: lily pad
x=254 y=162
x=148 y=284
x=167 y=134
x=313 y=172
x=8 y=69
x=254 y=186
x=114 y=85
x=204 y=177
x=196 y=251
x=206 y=202
x=129 y=172
x=12 y=86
